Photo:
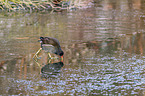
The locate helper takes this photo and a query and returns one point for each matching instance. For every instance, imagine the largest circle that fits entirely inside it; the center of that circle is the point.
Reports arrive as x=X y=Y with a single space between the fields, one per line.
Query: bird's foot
x=36 y=54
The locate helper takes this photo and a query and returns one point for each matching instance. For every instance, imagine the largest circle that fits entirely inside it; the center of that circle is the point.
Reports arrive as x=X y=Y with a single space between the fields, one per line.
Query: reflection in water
x=46 y=63
x=51 y=70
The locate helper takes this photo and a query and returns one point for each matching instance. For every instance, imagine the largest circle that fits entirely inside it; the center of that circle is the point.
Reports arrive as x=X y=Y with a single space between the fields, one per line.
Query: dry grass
x=28 y=5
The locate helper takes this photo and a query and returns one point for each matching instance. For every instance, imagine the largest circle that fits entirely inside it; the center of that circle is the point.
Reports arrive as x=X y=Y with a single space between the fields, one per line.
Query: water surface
x=103 y=45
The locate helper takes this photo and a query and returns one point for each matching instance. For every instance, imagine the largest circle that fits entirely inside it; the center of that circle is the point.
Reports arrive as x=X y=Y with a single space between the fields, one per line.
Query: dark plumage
x=52 y=68
x=51 y=45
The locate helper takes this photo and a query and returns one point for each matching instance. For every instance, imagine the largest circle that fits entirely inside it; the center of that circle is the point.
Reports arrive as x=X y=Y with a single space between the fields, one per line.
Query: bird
x=56 y=48
x=50 y=45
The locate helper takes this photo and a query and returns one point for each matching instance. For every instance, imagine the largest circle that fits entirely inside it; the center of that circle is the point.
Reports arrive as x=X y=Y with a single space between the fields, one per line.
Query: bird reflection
x=51 y=69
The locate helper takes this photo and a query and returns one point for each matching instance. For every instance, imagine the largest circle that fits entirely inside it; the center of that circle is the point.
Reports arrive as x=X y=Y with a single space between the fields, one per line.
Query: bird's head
x=48 y=40
x=61 y=53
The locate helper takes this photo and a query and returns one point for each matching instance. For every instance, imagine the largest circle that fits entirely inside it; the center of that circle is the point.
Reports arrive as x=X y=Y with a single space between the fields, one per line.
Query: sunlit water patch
x=116 y=75
x=102 y=75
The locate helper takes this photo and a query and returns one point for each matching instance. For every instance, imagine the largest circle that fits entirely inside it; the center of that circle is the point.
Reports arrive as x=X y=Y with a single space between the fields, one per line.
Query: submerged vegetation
x=30 y=5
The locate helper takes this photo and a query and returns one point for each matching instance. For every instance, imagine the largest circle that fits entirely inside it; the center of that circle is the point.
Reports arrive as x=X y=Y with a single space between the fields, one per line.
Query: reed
x=14 y=5
x=27 y=5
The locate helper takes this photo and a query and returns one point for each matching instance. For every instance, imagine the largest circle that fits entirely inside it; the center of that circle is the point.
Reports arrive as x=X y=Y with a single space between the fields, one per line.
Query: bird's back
x=55 y=48
x=48 y=48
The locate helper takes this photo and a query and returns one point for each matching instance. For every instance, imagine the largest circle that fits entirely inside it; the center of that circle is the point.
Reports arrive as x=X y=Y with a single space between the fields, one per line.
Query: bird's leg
x=49 y=61
x=37 y=53
x=49 y=56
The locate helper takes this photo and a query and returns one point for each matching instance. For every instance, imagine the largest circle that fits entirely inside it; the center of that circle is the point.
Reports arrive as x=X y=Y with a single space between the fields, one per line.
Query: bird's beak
x=61 y=58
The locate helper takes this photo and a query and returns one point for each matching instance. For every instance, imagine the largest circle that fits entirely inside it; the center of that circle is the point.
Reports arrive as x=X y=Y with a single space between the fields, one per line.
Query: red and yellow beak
x=61 y=58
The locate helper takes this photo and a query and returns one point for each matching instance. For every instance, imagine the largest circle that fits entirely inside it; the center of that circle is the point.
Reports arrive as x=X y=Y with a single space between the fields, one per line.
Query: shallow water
x=103 y=45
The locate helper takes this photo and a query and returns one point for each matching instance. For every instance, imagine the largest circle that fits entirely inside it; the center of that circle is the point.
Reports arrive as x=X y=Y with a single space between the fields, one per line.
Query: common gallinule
x=50 y=45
